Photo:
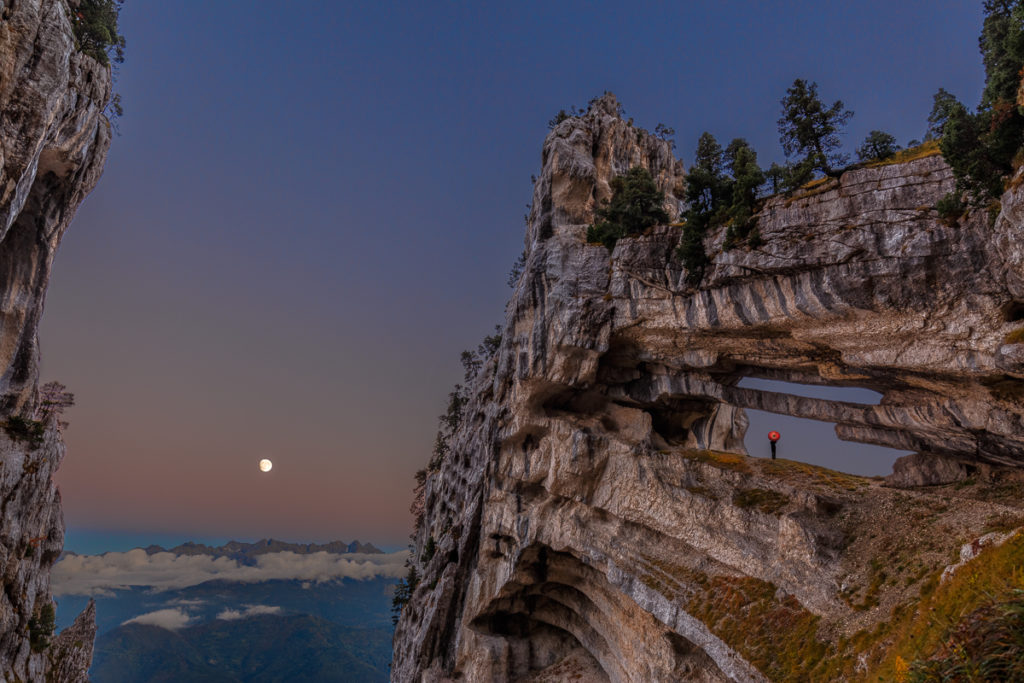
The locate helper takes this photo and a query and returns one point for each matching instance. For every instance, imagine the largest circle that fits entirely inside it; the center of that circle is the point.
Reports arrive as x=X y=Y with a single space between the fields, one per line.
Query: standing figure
x=773 y=436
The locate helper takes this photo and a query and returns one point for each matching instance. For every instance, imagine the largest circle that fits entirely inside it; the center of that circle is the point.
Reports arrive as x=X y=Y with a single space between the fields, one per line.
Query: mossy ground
x=764 y=500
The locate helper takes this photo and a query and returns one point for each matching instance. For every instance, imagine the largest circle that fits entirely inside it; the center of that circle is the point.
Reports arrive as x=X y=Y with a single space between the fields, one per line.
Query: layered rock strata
x=596 y=502
x=54 y=139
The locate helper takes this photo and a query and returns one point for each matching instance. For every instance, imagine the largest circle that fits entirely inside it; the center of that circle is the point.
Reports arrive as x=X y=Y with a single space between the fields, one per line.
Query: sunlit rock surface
x=53 y=143
x=597 y=518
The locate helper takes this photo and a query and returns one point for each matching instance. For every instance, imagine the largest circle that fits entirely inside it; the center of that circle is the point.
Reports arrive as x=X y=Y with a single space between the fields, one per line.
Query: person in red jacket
x=773 y=436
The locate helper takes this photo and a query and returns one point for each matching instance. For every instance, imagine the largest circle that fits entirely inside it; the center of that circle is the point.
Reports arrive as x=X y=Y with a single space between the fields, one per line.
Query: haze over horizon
x=309 y=214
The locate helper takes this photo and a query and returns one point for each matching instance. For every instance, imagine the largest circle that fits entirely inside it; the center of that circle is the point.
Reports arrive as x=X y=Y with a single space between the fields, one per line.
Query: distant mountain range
x=313 y=627
x=246 y=552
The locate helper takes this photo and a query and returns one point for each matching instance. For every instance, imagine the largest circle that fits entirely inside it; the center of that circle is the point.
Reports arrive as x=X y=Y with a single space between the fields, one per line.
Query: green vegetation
x=663 y=132
x=636 y=204
x=691 y=251
x=950 y=208
x=96 y=31
x=1015 y=337
x=24 y=429
x=747 y=179
x=40 y=627
x=721 y=188
x=981 y=146
x=776 y=176
x=403 y=593
x=418 y=505
x=517 y=270
x=429 y=548
x=943 y=105
x=878 y=145
x=811 y=130
x=562 y=115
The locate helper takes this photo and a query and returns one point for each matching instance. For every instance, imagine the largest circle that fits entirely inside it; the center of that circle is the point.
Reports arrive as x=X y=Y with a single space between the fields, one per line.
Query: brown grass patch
x=928 y=149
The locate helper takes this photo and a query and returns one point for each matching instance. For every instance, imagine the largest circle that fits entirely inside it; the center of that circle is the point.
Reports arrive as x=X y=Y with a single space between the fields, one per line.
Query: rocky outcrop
x=596 y=510
x=54 y=139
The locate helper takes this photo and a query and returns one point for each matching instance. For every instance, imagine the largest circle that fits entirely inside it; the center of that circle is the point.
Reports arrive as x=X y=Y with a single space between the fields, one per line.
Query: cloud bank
x=101 y=574
x=250 y=611
x=170 y=619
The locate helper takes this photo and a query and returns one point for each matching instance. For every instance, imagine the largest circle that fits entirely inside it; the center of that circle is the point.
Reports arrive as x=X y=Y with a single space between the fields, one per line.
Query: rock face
x=54 y=139
x=596 y=507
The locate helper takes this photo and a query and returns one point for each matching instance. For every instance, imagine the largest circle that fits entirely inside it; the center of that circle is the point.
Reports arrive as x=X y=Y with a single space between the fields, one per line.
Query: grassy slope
x=899 y=611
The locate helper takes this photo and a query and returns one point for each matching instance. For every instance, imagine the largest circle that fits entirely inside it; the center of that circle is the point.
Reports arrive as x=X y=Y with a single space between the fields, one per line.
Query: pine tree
x=810 y=129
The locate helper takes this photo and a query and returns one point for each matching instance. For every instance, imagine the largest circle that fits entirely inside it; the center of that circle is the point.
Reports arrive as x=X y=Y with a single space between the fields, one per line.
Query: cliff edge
x=596 y=516
x=54 y=139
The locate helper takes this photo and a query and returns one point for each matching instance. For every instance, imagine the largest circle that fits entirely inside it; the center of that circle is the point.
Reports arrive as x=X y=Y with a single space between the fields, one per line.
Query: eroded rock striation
x=54 y=139
x=596 y=514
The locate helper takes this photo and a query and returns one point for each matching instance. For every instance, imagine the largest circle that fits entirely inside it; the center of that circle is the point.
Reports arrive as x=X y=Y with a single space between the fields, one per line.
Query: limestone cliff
x=54 y=139
x=597 y=518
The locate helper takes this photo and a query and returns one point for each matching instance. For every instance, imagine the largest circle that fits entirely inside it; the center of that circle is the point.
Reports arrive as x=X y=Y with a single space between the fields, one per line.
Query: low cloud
x=170 y=619
x=250 y=611
x=102 y=574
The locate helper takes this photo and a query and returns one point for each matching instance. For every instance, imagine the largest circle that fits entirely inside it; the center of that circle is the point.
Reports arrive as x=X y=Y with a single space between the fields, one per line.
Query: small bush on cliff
x=950 y=208
x=54 y=399
x=418 y=506
x=517 y=270
x=636 y=205
x=19 y=428
x=40 y=627
x=96 y=31
x=429 y=549
x=877 y=145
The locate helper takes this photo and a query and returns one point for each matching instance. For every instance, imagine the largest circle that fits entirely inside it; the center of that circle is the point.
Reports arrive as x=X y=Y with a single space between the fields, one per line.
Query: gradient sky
x=313 y=207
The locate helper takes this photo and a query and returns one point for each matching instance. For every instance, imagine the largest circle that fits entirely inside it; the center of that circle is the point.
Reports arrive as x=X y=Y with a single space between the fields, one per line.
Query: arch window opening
x=829 y=393
x=812 y=441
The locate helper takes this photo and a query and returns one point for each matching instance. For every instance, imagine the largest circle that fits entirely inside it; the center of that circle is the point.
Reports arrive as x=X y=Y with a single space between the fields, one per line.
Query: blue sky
x=312 y=209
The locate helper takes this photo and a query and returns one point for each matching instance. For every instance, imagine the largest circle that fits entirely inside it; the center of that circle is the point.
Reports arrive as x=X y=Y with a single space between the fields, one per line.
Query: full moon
x=265 y=465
